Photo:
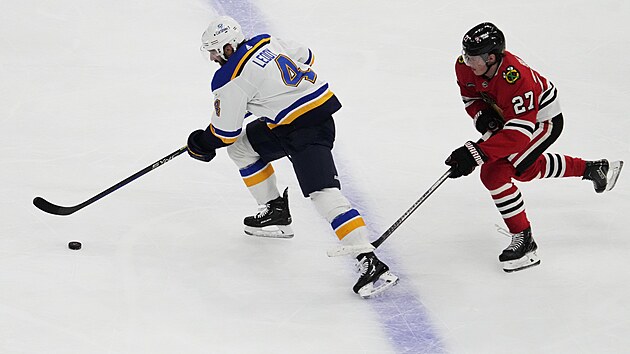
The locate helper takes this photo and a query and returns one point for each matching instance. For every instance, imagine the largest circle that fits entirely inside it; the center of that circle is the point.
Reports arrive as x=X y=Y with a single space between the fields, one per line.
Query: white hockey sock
x=258 y=175
x=346 y=221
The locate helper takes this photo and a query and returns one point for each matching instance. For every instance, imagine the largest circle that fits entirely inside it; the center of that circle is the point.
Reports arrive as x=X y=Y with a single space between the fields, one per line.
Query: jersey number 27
x=520 y=105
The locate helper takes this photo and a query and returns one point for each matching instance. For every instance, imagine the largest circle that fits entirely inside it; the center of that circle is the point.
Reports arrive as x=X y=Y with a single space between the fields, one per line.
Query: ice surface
x=93 y=91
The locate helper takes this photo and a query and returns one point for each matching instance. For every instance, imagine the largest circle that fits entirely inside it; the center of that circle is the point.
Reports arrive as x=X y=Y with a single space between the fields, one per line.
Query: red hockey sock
x=551 y=165
x=510 y=203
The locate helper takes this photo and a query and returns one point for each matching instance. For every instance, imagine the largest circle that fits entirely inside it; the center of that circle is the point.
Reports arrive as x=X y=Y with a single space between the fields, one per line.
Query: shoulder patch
x=217 y=107
x=511 y=74
x=460 y=60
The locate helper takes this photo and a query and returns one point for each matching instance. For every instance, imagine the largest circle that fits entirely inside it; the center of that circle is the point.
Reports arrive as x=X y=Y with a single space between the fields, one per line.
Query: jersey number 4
x=292 y=75
x=519 y=102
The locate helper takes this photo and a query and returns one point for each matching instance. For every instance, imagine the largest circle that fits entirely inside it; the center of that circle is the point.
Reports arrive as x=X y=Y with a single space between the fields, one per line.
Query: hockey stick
x=344 y=250
x=424 y=197
x=51 y=208
x=413 y=208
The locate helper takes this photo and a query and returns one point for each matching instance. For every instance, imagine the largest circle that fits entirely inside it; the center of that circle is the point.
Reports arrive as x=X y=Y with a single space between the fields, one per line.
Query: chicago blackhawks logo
x=511 y=74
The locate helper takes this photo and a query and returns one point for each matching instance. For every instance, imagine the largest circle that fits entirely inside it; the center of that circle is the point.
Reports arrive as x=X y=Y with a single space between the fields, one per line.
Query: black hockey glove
x=198 y=147
x=464 y=160
x=488 y=120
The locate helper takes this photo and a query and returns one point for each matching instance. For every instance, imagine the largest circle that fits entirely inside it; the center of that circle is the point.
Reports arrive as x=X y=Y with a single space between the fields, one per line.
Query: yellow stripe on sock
x=348 y=227
x=259 y=177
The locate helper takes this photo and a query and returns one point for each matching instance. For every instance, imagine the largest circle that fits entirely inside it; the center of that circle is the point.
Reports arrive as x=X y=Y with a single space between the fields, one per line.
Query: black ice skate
x=272 y=220
x=521 y=253
x=603 y=174
x=375 y=276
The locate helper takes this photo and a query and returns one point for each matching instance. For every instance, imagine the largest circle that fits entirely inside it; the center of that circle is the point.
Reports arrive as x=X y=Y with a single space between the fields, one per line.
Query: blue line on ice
x=400 y=311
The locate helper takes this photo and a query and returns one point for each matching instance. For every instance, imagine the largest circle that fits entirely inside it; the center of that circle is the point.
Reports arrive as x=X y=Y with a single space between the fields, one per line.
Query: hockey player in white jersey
x=273 y=79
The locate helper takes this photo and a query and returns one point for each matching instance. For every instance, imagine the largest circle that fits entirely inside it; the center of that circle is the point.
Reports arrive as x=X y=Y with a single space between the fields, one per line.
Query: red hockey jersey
x=522 y=95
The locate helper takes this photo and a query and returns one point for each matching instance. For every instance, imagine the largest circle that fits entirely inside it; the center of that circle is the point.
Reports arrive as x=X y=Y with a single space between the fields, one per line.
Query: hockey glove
x=488 y=120
x=464 y=160
x=198 y=147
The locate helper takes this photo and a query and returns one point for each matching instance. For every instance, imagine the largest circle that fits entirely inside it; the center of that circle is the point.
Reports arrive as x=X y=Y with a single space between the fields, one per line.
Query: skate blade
x=275 y=231
x=384 y=282
x=529 y=260
x=613 y=174
x=350 y=250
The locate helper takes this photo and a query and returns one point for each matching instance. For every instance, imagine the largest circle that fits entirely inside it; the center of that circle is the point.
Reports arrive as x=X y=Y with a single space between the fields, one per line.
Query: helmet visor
x=474 y=60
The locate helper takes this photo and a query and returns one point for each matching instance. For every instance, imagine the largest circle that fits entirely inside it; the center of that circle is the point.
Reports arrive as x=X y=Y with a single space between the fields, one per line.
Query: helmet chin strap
x=485 y=72
x=224 y=56
x=488 y=68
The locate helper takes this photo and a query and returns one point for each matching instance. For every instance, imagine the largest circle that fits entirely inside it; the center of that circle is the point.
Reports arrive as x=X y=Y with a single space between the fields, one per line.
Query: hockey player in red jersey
x=520 y=111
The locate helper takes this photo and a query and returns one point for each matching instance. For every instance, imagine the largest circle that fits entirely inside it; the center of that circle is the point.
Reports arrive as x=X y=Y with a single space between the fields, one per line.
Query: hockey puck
x=74 y=245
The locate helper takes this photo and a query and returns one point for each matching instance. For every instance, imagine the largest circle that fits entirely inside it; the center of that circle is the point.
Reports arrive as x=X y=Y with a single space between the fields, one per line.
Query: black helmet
x=485 y=38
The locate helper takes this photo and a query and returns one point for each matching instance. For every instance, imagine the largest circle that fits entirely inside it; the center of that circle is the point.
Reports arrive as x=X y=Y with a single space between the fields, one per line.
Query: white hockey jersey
x=269 y=78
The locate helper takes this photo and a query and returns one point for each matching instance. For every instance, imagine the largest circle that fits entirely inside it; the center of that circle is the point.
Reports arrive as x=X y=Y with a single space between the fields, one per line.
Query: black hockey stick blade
x=54 y=209
x=44 y=205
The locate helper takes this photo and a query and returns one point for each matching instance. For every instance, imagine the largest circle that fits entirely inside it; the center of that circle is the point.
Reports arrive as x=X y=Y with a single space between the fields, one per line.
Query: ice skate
x=603 y=174
x=521 y=253
x=272 y=220
x=375 y=276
